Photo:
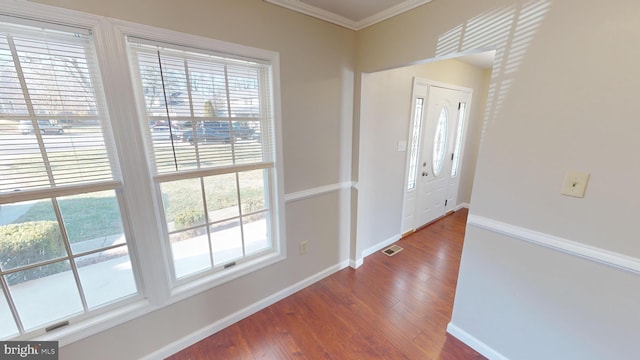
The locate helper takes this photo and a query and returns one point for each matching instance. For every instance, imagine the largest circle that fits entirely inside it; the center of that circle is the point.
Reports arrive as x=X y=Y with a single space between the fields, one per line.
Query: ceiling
x=359 y=14
x=352 y=14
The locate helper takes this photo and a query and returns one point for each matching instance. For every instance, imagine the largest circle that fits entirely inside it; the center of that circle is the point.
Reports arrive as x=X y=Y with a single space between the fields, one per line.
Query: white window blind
x=46 y=90
x=208 y=121
x=198 y=99
x=63 y=247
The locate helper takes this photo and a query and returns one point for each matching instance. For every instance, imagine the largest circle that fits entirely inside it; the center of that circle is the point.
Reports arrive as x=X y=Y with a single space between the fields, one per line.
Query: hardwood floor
x=391 y=307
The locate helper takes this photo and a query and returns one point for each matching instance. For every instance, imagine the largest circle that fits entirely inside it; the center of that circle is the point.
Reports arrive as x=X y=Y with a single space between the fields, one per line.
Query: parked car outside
x=216 y=131
x=241 y=130
x=163 y=132
x=44 y=126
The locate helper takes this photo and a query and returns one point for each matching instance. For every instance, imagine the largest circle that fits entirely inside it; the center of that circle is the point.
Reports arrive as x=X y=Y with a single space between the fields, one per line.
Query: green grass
x=220 y=192
x=85 y=217
x=96 y=215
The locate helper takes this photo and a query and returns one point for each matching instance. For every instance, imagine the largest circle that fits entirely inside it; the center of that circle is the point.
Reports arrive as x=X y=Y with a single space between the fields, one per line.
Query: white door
x=436 y=154
x=436 y=143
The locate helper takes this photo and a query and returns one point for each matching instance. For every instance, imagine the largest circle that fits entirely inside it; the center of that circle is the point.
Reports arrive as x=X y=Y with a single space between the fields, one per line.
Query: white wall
x=562 y=97
x=317 y=64
x=385 y=110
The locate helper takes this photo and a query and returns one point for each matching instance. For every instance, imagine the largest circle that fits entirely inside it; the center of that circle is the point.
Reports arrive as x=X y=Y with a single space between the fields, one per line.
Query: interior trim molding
x=381 y=245
x=354 y=264
x=474 y=343
x=231 y=319
x=461 y=206
x=321 y=190
x=301 y=7
x=596 y=254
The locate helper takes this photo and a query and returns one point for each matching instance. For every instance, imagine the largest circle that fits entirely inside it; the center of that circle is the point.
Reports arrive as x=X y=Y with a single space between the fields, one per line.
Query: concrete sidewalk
x=110 y=278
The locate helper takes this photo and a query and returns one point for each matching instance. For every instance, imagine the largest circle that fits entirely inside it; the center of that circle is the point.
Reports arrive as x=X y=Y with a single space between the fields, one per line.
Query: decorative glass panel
x=440 y=142
x=415 y=144
x=458 y=149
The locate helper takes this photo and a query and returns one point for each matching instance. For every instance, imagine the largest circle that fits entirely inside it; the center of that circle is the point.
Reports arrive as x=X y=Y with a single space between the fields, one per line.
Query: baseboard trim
x=596 y=254
x=474 y=343
x=231 y=319
x=321 y=190
x=461 y=206
x=354 y=264
x=380 y=246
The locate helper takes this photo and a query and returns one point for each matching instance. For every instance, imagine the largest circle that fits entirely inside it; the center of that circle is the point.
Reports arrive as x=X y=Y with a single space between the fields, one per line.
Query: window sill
x=194 y=287
x=96 y=324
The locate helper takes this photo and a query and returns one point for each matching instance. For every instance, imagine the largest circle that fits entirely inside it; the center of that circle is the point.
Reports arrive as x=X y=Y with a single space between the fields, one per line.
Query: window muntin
x=415 y=143
x=49 y=91
x=440 y=142
x=42 y=130
x=63 y=249
x=214 y=169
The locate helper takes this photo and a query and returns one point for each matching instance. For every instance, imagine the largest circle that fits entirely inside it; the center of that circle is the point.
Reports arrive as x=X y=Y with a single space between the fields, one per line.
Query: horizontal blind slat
x=57 y=72
x=213 y=104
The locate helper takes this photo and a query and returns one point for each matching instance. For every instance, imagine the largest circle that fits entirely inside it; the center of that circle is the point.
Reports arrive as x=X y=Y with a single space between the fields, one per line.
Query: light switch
x=402 y=145
x=575 y=184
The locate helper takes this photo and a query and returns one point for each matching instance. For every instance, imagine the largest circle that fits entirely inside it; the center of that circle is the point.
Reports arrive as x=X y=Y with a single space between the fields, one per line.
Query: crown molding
x=297 y=5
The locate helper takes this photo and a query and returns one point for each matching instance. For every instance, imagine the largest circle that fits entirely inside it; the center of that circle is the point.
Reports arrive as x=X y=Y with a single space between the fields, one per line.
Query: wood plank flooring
x=394 y=307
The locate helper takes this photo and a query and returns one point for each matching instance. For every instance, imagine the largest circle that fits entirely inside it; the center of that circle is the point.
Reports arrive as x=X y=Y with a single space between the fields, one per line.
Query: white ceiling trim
x=325 y=15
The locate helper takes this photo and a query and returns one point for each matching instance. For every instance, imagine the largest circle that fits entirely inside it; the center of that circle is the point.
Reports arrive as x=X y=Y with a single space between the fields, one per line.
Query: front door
x=436 y=154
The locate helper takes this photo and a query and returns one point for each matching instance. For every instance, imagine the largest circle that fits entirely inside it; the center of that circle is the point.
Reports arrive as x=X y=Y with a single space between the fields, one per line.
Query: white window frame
x=142 y=204
x=180 y=289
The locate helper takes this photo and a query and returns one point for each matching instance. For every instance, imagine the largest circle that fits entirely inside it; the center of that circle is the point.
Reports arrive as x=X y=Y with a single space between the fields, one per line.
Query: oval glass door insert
x=440 y=142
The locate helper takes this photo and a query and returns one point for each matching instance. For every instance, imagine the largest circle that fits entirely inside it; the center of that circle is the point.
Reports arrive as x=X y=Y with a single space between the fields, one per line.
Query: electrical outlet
x=303 y=247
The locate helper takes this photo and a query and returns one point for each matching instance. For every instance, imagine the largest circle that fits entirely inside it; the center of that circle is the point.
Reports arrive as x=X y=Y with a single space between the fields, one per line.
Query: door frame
x=411 y=211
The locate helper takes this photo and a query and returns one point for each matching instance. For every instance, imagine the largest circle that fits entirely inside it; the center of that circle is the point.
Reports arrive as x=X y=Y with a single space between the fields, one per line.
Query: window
x=209 y=121
x=193 y=173
x=462 y=108
x=63 y=246
x=415 y=143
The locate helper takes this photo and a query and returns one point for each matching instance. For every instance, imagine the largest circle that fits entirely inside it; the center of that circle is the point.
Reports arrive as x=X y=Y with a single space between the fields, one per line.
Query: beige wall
x=385 y=120
x=316 y=62
x=561 y=98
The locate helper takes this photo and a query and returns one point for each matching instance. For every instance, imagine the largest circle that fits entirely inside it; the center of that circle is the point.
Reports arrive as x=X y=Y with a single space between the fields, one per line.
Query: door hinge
x=451 y=156
x=445 y=202
x=459 y=105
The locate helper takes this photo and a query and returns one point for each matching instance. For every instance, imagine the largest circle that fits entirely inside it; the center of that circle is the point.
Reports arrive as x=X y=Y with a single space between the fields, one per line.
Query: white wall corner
x=354 y=264
x=474 y=343
x=461 y=206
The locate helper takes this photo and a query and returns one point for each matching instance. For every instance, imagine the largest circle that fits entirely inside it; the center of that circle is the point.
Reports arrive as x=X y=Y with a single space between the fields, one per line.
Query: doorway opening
x=385 y=141
x=436 y=143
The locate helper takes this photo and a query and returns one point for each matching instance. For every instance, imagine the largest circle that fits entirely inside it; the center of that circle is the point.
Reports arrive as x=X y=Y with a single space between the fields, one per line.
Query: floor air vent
x=392 y=250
